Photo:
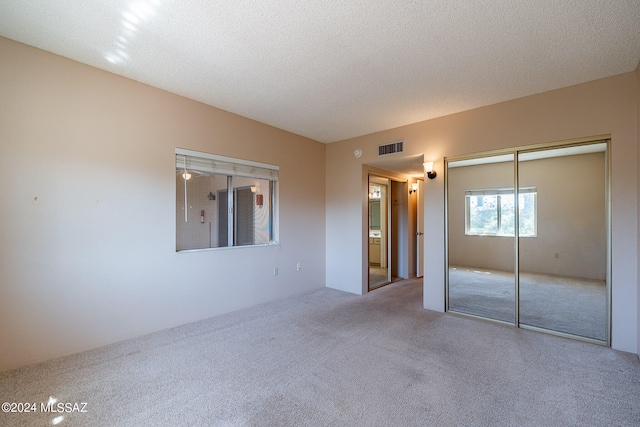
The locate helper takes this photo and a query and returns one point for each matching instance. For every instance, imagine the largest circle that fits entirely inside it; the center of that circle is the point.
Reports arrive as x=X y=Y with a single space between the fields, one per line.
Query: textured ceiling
x=330 y=69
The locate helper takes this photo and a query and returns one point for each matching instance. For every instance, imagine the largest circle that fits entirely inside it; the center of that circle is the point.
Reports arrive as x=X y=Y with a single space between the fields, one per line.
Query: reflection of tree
x=483 y=215
x=527 y=214
x=507 y=213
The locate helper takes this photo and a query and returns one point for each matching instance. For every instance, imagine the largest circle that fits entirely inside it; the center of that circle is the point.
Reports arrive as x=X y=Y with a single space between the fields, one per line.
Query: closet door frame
x=516 y=152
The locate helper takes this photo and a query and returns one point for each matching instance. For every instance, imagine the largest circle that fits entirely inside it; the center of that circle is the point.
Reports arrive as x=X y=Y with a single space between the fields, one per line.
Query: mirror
x=563 y=264
x=480 y=235
x=554 y=260
x=379 y=272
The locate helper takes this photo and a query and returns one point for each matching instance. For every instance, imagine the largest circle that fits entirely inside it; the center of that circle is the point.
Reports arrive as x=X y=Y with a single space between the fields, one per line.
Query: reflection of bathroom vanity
x=374 y=247
x=378 y=214
x=374 y=232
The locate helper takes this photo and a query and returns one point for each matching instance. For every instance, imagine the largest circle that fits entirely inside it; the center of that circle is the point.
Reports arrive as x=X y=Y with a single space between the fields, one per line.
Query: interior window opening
x=224 y=202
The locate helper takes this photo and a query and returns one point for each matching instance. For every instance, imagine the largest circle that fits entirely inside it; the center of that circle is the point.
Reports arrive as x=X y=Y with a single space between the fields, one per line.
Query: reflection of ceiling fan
x=190 y=173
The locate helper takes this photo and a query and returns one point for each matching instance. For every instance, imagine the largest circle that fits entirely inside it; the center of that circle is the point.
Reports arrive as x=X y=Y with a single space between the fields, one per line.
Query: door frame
x=420 y=229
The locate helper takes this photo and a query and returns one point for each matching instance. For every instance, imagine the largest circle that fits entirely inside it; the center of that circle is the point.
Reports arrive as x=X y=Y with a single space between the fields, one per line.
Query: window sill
x=225 y=248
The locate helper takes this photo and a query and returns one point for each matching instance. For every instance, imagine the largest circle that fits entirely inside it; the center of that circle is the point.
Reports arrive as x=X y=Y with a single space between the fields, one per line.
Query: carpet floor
x=565 y=304
x=377 y=277
x=329 y=358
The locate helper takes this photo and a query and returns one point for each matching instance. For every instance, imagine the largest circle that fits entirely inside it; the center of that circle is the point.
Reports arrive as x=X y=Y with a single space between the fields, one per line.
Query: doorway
x=390 y=231
x=243 y=222
x=399 y=245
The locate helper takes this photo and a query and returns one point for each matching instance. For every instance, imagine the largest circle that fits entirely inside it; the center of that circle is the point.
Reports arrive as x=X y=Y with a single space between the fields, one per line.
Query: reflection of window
x=223 y=201
x=490 y=212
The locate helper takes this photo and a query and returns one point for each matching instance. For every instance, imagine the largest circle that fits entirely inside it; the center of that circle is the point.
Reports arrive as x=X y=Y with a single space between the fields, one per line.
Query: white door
x=420 y=231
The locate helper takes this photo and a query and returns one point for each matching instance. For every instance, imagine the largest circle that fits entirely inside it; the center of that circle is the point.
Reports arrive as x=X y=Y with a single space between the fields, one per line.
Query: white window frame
x=499 y=192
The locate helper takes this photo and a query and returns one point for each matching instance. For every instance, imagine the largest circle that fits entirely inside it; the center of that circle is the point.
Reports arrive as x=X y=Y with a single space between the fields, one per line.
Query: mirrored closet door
x=527 y=238
x=563 y=240
x=481 y=237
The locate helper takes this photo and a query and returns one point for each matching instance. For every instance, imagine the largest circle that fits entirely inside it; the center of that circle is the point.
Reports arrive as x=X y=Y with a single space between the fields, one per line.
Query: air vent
x=391 y=148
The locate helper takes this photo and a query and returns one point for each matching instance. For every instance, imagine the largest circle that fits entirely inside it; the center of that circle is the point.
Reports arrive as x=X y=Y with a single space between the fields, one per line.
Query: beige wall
x=494 y=253
x=399 y=230
x=570 y=214
x=88 y=205
x=638 y=183
x=606 y=106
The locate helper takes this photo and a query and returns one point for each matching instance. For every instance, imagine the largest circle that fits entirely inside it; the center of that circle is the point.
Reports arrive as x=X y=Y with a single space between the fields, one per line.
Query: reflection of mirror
x=558 y=265
x=374 y=214
x=379 y=272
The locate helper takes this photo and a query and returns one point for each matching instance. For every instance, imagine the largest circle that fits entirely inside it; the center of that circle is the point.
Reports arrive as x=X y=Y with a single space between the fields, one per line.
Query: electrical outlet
x=275 y=271
x=299 y=266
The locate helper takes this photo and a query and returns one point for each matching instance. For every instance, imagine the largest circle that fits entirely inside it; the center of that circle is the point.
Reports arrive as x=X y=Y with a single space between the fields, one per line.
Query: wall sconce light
x=428 y=168
x=414 y=187
x=186 y=176
x=253 y=189
x=211 y=196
